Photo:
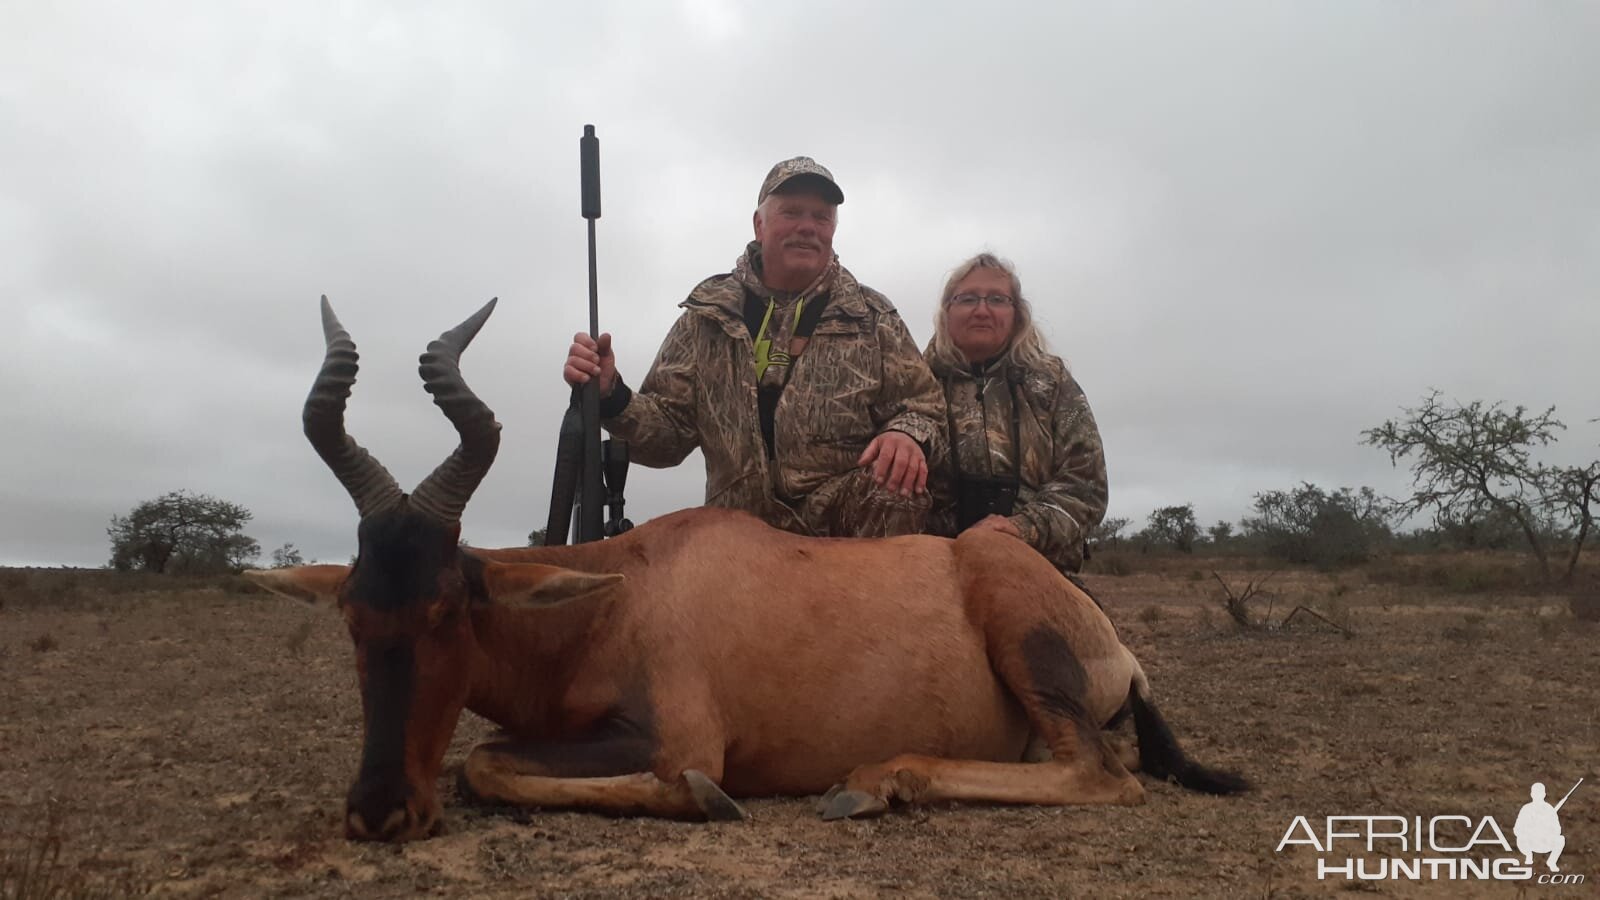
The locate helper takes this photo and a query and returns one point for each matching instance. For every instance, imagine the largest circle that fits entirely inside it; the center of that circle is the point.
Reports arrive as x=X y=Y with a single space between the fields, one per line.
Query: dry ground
x=200 y=741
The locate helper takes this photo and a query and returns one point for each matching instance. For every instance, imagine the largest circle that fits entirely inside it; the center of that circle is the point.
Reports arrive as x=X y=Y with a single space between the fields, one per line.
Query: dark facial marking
x=387 y=696
x=390 y=684
x=402 y=554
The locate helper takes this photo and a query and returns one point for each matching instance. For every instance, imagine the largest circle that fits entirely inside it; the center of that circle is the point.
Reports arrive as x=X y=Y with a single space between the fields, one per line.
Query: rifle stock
x=569 y=471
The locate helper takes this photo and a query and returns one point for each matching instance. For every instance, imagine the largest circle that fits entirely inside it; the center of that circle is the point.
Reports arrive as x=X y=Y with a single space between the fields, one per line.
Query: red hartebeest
x=704 y=654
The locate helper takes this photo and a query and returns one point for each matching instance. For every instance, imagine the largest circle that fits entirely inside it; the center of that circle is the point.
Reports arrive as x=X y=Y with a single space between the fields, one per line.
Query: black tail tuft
x=1160 y=755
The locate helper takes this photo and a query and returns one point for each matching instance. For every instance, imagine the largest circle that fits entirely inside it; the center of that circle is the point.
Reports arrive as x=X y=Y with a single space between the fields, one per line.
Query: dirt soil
x=201 y=742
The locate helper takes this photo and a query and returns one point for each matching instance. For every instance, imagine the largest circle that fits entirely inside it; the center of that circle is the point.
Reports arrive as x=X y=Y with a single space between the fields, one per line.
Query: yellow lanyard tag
x=766 y=357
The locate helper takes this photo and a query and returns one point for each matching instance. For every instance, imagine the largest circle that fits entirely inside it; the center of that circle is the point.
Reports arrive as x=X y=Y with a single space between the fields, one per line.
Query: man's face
x=796 y=237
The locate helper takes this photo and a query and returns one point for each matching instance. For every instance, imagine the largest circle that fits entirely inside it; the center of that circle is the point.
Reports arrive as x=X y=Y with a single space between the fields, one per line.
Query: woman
x=1025 y=455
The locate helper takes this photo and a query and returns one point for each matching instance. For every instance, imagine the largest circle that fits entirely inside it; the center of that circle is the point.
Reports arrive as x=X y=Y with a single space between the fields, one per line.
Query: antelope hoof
x=825 y=799
x=712 y=800
x=852 y=804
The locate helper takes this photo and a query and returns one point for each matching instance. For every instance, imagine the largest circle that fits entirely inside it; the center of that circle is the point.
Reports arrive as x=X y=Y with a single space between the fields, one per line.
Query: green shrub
x=1327 y=529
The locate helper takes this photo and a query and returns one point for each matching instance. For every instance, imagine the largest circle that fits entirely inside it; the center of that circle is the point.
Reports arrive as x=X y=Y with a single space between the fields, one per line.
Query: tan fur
x=826 y=653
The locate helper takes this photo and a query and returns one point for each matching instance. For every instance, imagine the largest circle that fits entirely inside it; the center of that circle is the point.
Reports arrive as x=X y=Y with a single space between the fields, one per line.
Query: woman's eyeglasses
x=971 y=301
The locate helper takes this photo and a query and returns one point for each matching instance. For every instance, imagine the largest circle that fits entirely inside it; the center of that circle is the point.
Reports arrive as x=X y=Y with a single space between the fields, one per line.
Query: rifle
x=1569 y=794
x=601 y=468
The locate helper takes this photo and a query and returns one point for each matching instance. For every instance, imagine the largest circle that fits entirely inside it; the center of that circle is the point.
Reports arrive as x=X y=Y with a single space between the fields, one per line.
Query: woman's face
x=981 y=314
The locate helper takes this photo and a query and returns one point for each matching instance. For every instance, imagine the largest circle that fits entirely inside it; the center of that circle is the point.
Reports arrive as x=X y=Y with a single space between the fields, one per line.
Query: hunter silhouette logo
x=1538 y=828
x=1440 y=848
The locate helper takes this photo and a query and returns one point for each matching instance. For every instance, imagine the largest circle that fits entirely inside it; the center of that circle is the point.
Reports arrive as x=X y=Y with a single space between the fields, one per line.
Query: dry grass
x=202 y=741
x=1109 y=562
x=296 y=641
x=1453 y=572
x=32 y=868
x=100 y=589
x=1584 y=600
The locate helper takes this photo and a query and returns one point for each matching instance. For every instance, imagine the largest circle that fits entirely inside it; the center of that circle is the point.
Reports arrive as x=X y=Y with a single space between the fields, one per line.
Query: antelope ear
x=313 y=584
x=536 y=586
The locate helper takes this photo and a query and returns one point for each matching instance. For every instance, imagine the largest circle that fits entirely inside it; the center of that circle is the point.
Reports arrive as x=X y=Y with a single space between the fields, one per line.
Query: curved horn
x=369 y=483
x=444 y=493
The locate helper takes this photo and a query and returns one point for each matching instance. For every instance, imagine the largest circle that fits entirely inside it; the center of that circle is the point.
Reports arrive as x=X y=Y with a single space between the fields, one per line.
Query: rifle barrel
x=1569 y=794
x=591 y=517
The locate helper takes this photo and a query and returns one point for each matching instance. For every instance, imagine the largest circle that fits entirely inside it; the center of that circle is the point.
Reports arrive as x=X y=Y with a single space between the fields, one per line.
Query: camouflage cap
x=800 y=167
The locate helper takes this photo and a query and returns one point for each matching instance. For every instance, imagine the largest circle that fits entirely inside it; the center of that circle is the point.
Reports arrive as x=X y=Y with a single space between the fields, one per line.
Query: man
x=801 y=386
x=1538 y=828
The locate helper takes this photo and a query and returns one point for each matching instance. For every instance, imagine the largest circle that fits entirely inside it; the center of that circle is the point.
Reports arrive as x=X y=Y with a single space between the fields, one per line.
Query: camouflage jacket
x=860 y=374
x=1063 y=478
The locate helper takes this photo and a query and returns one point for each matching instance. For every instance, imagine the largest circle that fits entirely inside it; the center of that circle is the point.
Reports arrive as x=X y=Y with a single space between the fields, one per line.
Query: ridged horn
x=445 y=492
x=369 y=483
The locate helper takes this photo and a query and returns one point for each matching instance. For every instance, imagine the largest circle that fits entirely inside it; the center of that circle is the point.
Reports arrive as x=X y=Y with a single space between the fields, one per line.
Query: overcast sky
x=1252 y=229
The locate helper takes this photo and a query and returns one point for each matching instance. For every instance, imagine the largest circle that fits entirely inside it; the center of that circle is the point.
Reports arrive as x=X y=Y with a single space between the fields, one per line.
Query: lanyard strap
x=765 y=356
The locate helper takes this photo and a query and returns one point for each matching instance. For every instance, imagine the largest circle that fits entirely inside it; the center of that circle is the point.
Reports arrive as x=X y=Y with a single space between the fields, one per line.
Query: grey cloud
x=1253 y=228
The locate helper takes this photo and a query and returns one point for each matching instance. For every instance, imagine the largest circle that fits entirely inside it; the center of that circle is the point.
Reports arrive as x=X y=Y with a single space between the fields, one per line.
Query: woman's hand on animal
x=996 y=522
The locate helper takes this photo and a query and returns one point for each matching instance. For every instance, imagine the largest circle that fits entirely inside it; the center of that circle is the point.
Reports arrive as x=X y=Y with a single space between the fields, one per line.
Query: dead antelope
x=704 y=656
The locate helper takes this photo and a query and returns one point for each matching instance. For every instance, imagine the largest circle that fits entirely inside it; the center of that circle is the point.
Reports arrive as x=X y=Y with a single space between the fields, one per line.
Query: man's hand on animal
x=897 y=463
x=587 y=358
x=996 y=522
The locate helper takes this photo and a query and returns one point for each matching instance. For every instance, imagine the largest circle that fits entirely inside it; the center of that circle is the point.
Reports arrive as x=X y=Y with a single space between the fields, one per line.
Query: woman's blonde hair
x=1026 y=347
